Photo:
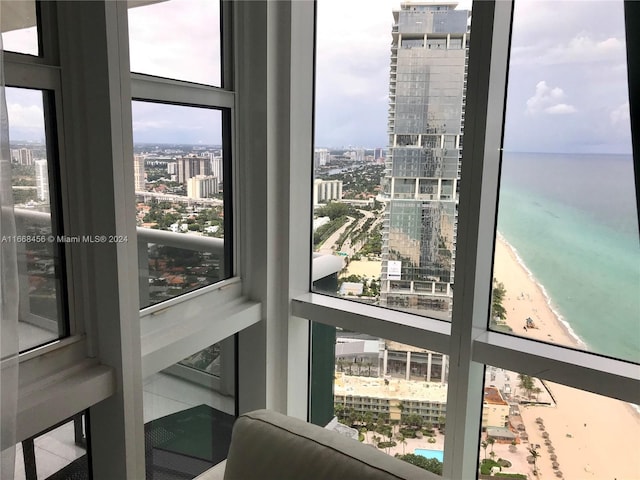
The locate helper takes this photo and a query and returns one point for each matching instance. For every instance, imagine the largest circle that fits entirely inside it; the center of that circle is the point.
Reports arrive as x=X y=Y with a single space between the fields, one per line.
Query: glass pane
x=388 y=143
x=189 y=413
x=58 y=454
x=179 y=179
x=567 y=255
x=523 y=414
x=392 y=396
x=177 y=39
x=19 y=27
x=37 y=241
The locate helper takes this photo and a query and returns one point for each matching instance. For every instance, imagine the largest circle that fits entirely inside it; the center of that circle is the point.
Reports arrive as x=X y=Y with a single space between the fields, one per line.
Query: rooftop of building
x=401 y=347
x=492 y=396
x=396 y=389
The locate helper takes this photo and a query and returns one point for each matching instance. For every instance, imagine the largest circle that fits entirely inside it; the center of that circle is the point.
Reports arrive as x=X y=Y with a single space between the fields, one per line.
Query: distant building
x=359 y=154
x=42 y=180
x=394 y=397
x=320 y=157
x=189 y=167
x=202 y=186
x=326 y=190
x=427 y=89
x=392 y=359
x=217 y=168
x=495 y=410
x=22 y=156
x=351 y=288
x=138 y=172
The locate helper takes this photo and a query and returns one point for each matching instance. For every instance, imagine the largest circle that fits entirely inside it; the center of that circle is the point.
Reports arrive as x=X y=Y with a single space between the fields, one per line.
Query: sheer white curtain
x=8 y=294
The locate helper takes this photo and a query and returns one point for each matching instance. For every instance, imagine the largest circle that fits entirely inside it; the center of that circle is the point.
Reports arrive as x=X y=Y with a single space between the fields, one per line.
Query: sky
x=567 y=81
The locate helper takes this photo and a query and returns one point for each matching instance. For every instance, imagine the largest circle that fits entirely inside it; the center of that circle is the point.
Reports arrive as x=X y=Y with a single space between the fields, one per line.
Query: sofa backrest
x=267 y=445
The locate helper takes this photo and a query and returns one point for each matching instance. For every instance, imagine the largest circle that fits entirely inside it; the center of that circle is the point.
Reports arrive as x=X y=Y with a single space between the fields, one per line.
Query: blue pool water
x=437 y=454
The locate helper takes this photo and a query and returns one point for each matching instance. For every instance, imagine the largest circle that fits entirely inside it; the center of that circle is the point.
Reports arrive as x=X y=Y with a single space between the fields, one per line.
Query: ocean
x=572 y=220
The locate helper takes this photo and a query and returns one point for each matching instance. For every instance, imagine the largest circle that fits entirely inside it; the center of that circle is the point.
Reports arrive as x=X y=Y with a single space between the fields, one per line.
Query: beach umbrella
x=521 y=427
x=547 y=442
x=558 y=473
x=553 y=457
x=539 y=420
x=530 y=459
x=545 y=435
x=555 y=465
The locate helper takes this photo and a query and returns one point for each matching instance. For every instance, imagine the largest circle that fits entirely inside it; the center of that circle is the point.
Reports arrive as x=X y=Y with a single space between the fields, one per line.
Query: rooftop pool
x=437 y=454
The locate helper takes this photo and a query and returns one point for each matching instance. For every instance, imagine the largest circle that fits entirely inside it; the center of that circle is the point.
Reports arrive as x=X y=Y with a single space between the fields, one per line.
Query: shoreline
x=555 y=322
x=580 y=424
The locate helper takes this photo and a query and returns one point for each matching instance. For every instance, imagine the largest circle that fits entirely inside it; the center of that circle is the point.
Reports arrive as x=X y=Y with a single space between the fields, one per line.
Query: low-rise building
x=495 y=410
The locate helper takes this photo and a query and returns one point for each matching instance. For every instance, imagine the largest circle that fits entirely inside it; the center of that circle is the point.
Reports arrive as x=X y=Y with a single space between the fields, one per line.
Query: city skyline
x=567 y=83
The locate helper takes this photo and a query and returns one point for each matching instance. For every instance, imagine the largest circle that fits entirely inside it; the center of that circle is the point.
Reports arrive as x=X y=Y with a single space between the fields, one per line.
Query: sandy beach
x=594 y=437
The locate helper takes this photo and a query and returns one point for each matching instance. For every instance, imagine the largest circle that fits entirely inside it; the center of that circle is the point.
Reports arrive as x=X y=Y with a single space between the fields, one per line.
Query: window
x=39 y=240
x=471 y=192
x=58 y=452
x=117 y=360
x=178 y=39
x=188 y=416
x=179 y=174
x=20 y=27
x=396 y=195
x=567 y=219
x=531 y=425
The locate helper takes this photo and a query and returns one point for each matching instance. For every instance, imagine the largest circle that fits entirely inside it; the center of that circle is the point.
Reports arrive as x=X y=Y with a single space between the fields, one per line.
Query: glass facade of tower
x=426 y=123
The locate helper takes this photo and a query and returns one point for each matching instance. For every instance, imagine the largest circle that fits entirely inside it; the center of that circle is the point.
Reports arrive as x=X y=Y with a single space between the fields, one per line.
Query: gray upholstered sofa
x=270 y=446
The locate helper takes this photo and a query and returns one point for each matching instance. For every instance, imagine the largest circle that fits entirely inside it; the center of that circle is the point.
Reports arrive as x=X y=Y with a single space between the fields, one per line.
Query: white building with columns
x=326 y=190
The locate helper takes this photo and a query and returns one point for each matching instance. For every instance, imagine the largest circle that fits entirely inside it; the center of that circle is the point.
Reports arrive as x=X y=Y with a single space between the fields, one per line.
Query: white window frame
x=467 y=340
x=269 y=85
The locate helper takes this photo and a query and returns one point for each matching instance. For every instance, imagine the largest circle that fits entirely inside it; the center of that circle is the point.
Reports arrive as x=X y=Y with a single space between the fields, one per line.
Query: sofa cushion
x=267 y=445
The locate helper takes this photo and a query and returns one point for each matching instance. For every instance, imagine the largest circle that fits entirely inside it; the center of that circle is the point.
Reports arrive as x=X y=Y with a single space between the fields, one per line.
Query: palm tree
x=491 y=441
x=537 y=391
x=401 y=439
x=534 y=453
x=484 y=445
x=526 y=384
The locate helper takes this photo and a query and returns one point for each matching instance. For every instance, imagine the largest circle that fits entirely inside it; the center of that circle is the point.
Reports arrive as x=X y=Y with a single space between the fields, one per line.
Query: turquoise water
x=437 y=454
x=573 y=223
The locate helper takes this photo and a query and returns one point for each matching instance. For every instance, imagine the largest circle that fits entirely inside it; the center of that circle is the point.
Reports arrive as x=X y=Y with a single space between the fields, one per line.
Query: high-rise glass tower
x=426 y=116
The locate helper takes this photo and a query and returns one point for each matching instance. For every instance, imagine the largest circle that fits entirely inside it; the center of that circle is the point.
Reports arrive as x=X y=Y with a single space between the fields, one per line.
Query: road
x=329 y=247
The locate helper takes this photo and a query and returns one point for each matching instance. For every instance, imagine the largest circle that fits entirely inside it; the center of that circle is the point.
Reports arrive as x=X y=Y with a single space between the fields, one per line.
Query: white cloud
x=176 y=40
x=548 y=100
x=25 y=116
x=581 y=48
x=620 y=115
x=560 y=109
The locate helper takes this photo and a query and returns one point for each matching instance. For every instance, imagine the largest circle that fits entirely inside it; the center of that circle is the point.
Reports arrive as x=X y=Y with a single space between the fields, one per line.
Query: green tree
x=334 y=210
x=526 y=383
x=497 y=297
x=484 y=446
x=491 y=441
x=430 y=464
x=402 y=440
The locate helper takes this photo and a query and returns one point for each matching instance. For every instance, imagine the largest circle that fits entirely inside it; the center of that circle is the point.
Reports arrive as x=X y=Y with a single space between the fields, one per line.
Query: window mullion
x=99 y=156
x=574 y=368
x=488 y=65
x=180 y=92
